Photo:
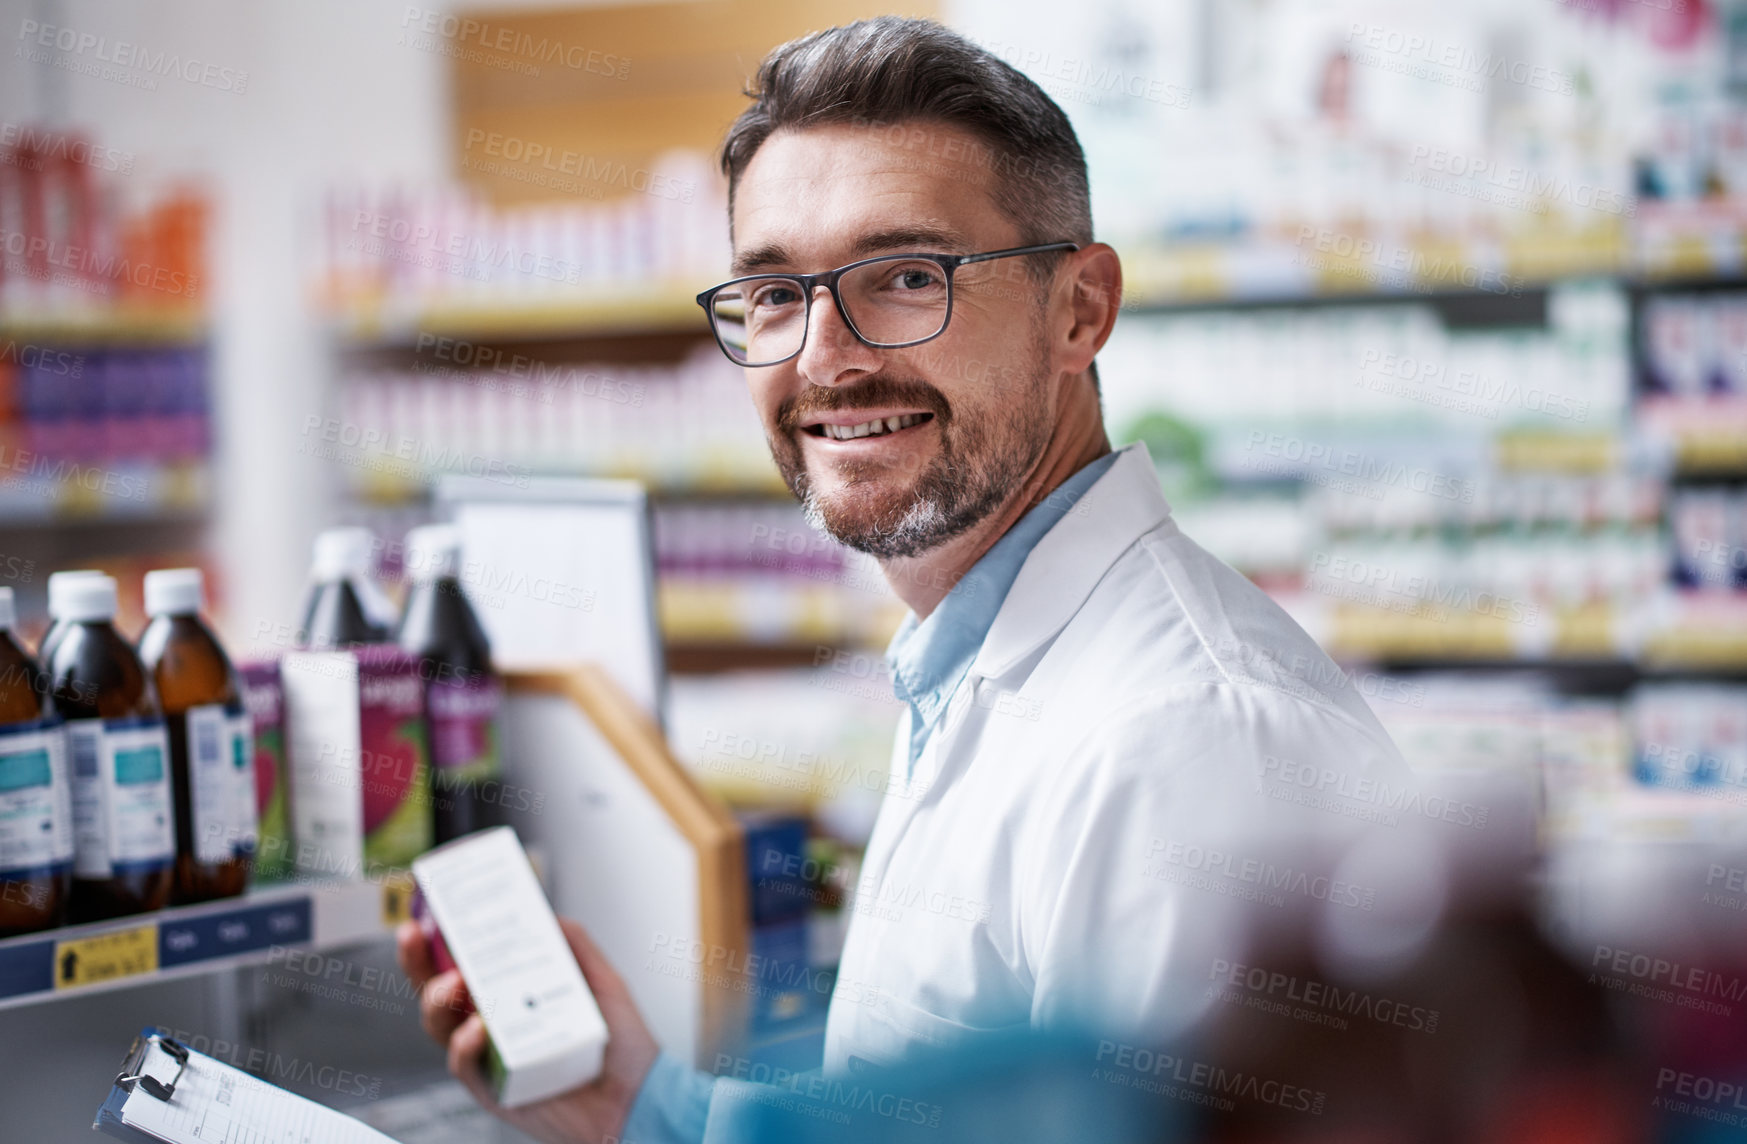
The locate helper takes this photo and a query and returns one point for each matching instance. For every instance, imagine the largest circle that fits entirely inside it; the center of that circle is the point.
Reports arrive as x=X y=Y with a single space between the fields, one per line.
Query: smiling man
x=1103 y=723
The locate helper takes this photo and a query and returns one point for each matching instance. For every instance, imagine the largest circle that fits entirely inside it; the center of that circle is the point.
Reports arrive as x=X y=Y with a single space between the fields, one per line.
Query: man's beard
x=976 y=469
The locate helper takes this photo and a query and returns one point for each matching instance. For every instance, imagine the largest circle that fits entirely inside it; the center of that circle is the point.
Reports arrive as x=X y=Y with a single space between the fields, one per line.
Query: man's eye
x=915 y=278
x=776 y=296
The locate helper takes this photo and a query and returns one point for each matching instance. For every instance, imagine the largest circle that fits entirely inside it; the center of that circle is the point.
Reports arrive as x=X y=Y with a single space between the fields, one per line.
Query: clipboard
x=168 y=1092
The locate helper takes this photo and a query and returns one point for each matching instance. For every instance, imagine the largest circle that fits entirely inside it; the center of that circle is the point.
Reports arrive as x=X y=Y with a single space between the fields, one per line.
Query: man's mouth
x=873 y=427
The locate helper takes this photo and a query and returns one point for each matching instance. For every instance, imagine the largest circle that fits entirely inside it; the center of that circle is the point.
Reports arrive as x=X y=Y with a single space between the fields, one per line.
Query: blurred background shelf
x=123 y=325
x=265 y=924
x=641 y=310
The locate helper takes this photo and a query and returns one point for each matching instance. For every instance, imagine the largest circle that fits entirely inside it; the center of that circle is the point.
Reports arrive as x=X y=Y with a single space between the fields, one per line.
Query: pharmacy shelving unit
x=1669 y=249
x=190 y=940
x=62 y=512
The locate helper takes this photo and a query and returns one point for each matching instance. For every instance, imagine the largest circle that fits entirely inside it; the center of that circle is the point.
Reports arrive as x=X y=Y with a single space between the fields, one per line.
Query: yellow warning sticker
x=85 y=961
x=397 y=891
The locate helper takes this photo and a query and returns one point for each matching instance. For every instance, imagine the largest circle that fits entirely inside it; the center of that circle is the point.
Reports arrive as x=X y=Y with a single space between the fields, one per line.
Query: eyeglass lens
x=889 y=301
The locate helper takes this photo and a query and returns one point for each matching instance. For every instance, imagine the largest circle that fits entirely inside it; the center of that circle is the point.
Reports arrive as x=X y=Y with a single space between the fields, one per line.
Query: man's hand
x=589 y=1114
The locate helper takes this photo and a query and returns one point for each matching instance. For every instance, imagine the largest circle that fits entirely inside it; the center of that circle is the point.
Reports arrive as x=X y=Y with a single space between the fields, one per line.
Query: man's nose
x=831 y=353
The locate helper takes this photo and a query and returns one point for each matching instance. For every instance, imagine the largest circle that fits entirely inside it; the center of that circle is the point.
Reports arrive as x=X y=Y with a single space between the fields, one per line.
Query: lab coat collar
x=1072 y=557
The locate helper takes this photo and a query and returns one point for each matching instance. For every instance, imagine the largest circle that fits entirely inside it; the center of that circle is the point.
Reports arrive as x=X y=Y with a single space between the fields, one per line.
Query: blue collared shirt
x=929 y=659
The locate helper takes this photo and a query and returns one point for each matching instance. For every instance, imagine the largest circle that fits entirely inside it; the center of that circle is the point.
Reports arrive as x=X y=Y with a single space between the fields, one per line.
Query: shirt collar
x=930 y=657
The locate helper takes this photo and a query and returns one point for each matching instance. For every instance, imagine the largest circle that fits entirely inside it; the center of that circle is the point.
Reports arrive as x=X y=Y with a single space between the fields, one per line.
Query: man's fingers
x=596 y=969
x=466 y=1048
x=444 y=1004
x=414 y=953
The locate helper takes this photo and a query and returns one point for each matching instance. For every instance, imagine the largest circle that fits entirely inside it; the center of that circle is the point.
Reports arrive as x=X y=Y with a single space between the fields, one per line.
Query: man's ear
x=1093 y=278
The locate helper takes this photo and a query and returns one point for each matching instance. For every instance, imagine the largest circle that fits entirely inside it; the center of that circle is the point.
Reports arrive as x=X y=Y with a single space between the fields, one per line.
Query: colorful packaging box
x=359 y=761
x=266 y=708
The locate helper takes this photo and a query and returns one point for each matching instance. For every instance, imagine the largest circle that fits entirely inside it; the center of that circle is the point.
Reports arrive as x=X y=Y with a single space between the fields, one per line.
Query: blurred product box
x=266 y=705
x=776 y=866
x=359 y=760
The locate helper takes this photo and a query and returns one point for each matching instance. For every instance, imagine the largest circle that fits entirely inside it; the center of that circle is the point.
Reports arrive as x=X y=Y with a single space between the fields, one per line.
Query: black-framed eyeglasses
x=888 y=302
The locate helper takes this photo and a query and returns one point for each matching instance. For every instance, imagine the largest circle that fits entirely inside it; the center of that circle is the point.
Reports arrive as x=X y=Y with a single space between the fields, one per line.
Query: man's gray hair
x=899 y=76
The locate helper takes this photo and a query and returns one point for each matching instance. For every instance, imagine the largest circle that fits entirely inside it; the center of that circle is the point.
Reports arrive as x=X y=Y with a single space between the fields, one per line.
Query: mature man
x=1101 y=717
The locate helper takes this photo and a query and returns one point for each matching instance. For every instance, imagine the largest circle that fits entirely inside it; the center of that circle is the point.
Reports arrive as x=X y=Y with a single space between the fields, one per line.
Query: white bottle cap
x=343 y=552
x=88 y=598
x=175 y=592
x=8 y=611
x=433 y=551
x=59 y=583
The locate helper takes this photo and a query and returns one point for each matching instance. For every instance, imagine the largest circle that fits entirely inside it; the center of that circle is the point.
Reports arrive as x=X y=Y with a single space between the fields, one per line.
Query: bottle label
x=122 y=813
x=36 y=799
x=463 y=721
x=212 y=796
x=245 y=819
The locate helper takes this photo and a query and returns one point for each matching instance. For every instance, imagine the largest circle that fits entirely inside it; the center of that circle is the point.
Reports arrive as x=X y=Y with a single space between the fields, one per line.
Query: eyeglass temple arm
x=1017 y=250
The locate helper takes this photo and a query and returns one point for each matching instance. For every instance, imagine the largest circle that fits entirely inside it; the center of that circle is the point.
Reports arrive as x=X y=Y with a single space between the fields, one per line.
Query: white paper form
x=215 y=1103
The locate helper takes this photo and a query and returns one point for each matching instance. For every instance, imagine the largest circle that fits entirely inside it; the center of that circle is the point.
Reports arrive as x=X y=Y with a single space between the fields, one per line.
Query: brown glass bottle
x=202 y=701
x=124 y=827
x=36 y=807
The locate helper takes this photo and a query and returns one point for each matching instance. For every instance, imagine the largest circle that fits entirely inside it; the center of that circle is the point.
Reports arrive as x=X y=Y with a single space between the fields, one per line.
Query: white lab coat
x=1102 y=815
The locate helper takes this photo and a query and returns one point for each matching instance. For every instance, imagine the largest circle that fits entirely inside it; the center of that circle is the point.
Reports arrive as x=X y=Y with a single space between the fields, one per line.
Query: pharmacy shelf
x=120 y=325
x=649 y=310
x=46 y=494
x=389 y=488
x=181 y=942
x=699 y=657
x=1692 y=636
x=1707 y=436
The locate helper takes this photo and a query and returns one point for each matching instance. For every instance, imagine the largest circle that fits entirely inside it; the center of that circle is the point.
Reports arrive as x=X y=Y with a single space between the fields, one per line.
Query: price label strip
x=83 y=961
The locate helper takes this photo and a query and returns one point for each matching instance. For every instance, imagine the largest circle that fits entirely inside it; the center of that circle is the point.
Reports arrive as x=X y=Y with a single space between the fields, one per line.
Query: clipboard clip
x=129 y=1076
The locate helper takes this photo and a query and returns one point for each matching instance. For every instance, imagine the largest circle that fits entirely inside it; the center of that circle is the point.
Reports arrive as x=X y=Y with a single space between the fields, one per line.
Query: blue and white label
x=212 y=794
x=122 y=811
x=245 y=820
x=36 y=799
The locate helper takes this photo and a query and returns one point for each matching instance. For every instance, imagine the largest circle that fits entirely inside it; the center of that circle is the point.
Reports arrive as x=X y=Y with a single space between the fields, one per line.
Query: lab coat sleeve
x=1160 y=848
x=672 y=1107
x=681 y=1105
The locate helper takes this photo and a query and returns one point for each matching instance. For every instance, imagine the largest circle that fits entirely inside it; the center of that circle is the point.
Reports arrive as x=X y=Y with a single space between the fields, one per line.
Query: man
x=1086 y=802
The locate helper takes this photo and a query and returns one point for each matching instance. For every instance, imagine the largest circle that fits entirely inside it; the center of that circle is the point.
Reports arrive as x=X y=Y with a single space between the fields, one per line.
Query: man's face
x=976 y=404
